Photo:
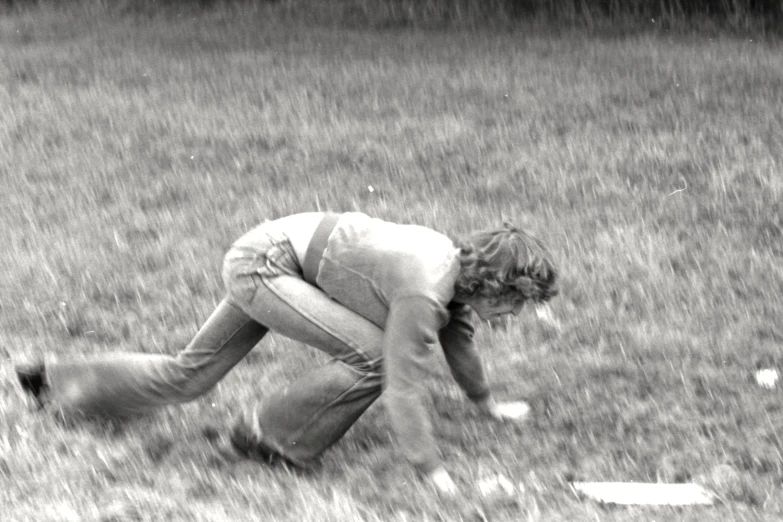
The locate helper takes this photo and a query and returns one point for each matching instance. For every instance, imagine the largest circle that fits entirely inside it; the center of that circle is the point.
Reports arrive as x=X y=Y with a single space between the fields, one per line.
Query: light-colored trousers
x=265 y=291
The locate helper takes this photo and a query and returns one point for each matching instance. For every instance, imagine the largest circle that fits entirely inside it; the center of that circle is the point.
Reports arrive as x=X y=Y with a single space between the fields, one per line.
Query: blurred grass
x=133 y=150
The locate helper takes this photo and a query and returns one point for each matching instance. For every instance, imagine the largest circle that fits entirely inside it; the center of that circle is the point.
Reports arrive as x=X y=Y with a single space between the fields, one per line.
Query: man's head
x=505 y=268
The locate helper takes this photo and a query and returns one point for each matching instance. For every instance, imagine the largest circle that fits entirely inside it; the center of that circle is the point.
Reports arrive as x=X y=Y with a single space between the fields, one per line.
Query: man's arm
x=463 y=359
x=409 y=340
x=457 y=341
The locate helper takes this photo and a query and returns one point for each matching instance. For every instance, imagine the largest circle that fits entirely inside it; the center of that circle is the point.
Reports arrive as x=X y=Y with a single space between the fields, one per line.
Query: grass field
x=134 y=150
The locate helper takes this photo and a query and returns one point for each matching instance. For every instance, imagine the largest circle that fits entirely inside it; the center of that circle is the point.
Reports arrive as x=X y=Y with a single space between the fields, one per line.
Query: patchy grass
x=134 y=150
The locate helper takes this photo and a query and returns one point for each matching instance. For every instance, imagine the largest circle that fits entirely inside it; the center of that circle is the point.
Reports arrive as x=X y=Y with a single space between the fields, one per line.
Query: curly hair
x=505 y=264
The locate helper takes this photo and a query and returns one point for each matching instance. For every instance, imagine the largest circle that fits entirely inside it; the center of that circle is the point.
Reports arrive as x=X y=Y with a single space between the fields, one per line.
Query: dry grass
x=134 y=150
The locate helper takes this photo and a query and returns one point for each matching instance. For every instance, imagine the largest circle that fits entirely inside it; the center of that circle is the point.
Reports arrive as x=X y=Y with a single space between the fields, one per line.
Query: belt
x=315 y=250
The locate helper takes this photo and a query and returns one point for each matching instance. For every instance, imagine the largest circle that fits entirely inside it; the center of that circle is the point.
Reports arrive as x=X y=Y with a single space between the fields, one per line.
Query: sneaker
x=32 y=377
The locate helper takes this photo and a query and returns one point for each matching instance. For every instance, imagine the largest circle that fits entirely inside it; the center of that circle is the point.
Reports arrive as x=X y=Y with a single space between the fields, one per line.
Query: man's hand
x=442 y=482
x=517 y=411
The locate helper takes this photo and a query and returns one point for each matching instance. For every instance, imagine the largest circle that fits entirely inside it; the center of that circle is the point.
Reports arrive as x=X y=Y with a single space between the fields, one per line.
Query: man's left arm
x=463 y=359
x=466 y=367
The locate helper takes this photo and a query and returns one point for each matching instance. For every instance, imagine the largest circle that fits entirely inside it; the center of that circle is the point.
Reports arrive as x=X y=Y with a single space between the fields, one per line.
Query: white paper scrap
x=647 y=494
x=489 y=486
x=544 y=314
x=767 y=378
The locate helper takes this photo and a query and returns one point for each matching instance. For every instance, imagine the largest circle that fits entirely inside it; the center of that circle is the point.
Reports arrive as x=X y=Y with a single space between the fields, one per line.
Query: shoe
x=222 y=447
x=32 y=377
x=249 y=445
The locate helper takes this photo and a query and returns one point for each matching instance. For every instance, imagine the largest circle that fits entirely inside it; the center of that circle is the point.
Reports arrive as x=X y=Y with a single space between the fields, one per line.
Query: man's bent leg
x=125 y=384
x=309 y=415
x=314 y=411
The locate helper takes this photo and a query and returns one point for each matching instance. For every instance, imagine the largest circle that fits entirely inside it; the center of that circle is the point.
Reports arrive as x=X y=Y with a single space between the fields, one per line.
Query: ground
x=134 y=149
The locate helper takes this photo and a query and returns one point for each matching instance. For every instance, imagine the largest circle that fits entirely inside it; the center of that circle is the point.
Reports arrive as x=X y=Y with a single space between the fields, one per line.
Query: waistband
x=315 y=250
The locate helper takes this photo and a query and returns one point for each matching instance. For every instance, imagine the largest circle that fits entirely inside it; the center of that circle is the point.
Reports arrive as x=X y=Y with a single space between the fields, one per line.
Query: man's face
x=488 y=308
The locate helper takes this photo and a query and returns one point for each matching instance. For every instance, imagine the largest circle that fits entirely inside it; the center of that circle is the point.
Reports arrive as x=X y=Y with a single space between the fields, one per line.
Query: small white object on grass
x=443 y=482
x=496 y=485
x=645 y=494
x=544 y=314
x=767 y=378
x=515 y=411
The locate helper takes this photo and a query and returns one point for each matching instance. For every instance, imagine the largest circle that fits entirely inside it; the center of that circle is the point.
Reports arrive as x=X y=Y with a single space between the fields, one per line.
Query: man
x=378 y=297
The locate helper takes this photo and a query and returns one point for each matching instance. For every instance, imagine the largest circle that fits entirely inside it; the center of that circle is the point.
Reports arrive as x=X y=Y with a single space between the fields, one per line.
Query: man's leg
x=123 y=384
x=313 y=412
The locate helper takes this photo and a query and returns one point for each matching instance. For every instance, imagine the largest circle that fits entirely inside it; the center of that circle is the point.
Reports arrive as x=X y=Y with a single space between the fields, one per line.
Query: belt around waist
x=315 y=250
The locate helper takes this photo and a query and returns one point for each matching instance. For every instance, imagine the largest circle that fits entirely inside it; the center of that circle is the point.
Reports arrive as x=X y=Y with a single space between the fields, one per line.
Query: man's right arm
x=410 y=338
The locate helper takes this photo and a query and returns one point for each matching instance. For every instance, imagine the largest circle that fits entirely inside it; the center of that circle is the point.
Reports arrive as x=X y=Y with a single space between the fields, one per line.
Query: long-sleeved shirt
x=402 y=277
